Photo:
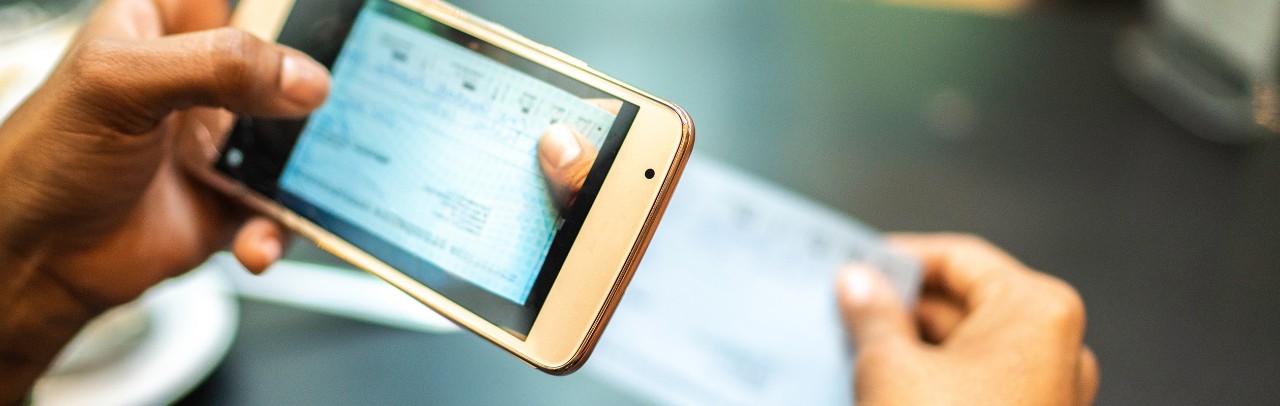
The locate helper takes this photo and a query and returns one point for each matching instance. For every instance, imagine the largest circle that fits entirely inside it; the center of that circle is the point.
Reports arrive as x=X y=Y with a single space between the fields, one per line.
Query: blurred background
x=1127 y=147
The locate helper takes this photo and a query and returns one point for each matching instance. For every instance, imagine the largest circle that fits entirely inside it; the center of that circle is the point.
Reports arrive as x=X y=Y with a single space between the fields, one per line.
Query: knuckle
x=93 y=63
x=992 y=285
x=1061 y=304
x=233 y=55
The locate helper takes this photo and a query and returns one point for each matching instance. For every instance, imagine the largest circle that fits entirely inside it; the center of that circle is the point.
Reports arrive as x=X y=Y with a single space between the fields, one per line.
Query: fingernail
x=562 y=147
x=272 y=249
x=859 y=282
x=303 y=80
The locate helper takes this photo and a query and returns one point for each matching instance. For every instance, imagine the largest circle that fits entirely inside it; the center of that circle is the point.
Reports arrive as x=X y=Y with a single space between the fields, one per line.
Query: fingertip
x=559 y=147
x=863 y=286
x=259 y=244
x=303 y=80
x=870 y=307
x=271 y=248
x=857 y=284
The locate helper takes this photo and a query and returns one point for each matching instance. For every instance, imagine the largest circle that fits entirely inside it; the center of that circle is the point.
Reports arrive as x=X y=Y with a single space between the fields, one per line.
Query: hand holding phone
x=96 y=208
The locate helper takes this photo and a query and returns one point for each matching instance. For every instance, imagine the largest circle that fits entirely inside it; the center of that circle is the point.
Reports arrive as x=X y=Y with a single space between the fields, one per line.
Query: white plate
x=341 y=292
x=25 y=63
x=193 y=321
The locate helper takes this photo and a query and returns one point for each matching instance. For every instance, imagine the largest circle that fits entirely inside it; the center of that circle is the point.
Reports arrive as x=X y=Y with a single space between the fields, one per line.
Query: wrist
x=38 y=316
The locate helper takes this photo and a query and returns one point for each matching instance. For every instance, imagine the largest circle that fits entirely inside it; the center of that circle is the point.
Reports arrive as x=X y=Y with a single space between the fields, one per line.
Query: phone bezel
x=612 y=239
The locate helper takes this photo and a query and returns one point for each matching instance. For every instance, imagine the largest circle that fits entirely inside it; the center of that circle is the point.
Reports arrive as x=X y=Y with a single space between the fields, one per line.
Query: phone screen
x=425 y=156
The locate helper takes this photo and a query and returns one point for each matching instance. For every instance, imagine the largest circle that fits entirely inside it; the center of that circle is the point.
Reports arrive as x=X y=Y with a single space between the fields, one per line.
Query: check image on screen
x=430 y=147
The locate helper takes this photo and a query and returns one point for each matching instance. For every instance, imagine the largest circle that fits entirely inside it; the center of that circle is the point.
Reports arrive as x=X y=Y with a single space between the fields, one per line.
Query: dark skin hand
x=96 y=209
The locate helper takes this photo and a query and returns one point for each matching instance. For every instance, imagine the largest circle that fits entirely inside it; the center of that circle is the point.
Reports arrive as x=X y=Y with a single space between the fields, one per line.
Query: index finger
x=180 y=16
x=959 y=265
x=147 y=19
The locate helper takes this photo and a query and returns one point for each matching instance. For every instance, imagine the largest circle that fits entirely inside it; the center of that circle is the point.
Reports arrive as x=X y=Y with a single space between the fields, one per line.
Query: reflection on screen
x=431 y=147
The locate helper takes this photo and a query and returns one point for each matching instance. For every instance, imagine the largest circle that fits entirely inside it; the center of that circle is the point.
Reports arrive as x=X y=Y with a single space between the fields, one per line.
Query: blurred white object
x=337 y=291
x=1210 y=65
x=33 y=35
x=150 y=353
x=108 y=337
x=21 y=18
x=735 y=301
x=1242 y=31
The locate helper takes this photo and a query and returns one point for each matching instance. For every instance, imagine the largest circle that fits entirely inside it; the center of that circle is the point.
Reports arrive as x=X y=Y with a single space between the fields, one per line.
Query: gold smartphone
x=422 y=168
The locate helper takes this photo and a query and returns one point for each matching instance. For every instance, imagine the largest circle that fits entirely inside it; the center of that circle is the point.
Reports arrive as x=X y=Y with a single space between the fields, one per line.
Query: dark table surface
x=1017 y=129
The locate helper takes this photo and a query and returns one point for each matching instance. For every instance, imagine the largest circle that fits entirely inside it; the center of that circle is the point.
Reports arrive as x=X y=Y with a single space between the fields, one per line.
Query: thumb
x=873 y=314
x=259 y=244
x=566 y=158
x=131 y=86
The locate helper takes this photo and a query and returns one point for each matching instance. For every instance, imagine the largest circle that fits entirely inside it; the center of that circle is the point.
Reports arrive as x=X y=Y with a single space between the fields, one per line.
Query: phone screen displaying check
x=425 y=156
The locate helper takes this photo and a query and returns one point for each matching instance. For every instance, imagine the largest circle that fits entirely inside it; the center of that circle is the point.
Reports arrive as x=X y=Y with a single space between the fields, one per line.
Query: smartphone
x=422 y=168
